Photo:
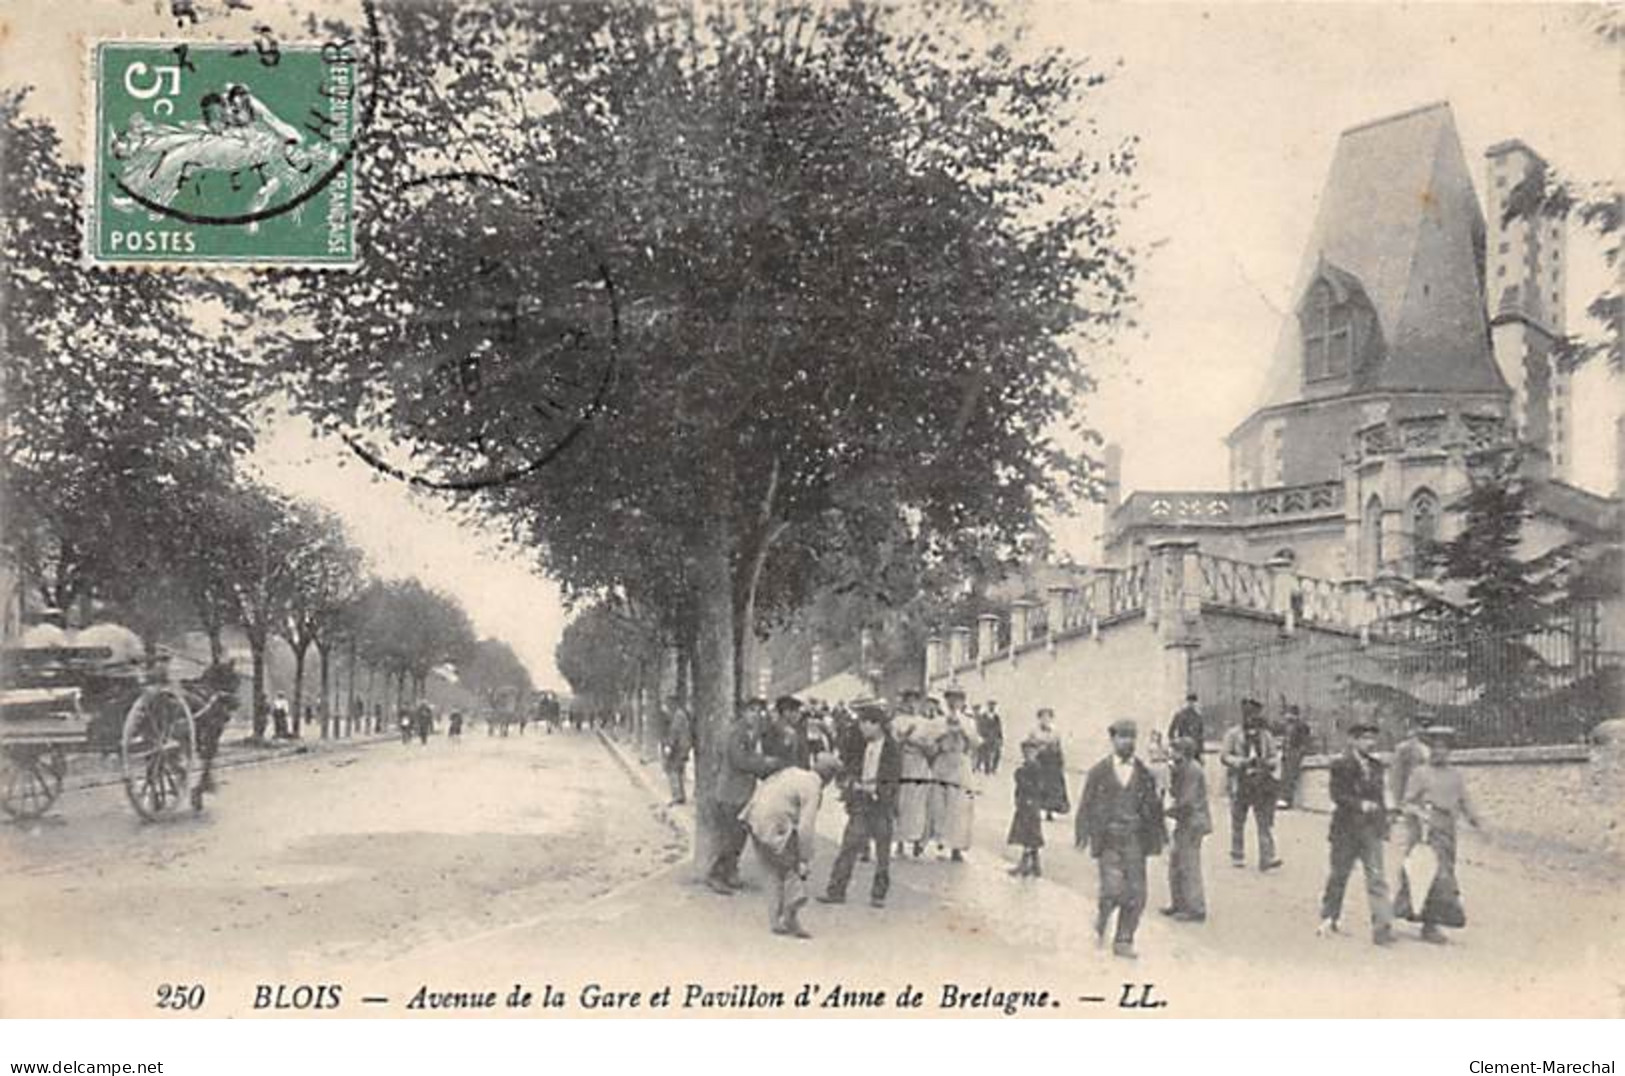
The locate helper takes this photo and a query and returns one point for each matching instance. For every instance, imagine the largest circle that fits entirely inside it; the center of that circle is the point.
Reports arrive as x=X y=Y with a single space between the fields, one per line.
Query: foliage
x=112 y=399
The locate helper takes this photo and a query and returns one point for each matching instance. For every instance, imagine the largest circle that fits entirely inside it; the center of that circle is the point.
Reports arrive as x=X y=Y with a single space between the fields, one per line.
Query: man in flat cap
x=744 y=763
x=1188 y=724
x=1252 y=761
x=785 y=736
x=782 y=817
x=1120 y=821
x=1358 y=830
x=873 y=776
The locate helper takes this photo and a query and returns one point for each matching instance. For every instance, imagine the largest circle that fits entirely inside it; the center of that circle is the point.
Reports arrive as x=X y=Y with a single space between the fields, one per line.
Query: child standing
x=1026 y=827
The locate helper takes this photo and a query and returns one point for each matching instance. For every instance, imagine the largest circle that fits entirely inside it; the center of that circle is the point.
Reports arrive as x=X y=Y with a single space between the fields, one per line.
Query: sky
x=1237 y=108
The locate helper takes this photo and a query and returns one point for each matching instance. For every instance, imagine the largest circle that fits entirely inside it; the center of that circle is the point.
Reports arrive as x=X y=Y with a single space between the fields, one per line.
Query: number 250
x=181 y=997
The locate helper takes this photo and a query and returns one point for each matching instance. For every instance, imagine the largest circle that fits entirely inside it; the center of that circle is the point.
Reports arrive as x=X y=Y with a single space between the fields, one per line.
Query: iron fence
x=1552 y=686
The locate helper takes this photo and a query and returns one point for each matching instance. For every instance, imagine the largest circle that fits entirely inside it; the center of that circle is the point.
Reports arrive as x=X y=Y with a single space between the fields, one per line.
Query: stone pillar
x=935 y=657
x=764 y=677
x=1059 y=595
x=958 y=648
x=987 y=636
x=1356 y=603
x=1021 y=611
x=1282 y=584
x=1173 y=590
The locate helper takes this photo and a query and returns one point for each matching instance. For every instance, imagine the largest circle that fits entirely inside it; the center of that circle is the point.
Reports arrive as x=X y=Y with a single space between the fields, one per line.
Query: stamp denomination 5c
x=207 y=153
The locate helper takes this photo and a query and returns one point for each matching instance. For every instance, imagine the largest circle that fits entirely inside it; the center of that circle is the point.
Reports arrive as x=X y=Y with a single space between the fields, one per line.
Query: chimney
x=1114 y=475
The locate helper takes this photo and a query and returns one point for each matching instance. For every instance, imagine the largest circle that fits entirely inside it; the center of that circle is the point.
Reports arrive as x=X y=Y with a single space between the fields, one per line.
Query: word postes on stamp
x=209 y=153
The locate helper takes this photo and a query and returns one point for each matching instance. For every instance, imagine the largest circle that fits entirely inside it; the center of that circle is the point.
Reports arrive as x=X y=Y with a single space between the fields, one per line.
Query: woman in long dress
x=1051 y=766
x=952 y=803
x=917 y=739
x=1435 y=798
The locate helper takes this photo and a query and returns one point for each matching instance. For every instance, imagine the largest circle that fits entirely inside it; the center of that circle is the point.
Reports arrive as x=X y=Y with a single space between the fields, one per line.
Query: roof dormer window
x=1328 y=335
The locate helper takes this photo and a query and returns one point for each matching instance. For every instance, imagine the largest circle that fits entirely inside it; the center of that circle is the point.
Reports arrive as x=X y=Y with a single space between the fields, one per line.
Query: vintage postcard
x=916 y=510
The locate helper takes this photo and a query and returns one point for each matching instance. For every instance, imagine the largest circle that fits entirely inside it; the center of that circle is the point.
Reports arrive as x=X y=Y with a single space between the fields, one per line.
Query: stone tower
x=1526 y=275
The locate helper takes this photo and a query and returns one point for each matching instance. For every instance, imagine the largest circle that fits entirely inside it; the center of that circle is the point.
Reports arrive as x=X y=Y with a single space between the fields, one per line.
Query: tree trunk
x=324 y=654
x=256 y=648
x=349 y=700
x=296 y=719
x=714 y=672
x=217 y=644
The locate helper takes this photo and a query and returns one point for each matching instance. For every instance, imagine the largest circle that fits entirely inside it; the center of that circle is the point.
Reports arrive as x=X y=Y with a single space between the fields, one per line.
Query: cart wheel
x=158 y=752
x=30 y=780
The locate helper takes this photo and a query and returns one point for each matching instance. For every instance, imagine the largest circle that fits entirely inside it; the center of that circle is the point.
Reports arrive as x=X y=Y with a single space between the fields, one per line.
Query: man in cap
x=1296 y=738
x=786 y=735
x=676 y=745
x=1120 y=821
x=1252 y=761
x=1410 y=754
x=782 y=817
x=1189 y=724
x=1359 y=829
x=873 y=773
x=744 y=763
x=1187 y=900
x=990 y=727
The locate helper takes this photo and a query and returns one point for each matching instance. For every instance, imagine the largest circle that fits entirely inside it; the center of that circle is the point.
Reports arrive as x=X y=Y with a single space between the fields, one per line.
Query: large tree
x=113 y=402
x=730 y=284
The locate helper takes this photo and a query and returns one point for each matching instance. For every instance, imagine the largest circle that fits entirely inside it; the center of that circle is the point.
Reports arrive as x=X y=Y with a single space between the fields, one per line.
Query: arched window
x=1371 y=538
x=1424 y=526
x=1328 y=335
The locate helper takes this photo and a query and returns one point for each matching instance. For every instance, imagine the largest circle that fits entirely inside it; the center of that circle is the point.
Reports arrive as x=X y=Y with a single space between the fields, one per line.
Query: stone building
x=1421 y=332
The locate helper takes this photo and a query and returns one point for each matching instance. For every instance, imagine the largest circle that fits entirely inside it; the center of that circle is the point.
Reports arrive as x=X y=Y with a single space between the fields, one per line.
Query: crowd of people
x=906 y=776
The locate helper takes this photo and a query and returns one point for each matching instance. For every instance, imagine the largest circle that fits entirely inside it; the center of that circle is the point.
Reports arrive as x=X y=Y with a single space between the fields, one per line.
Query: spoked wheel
x=159 y=753
x=30 y=780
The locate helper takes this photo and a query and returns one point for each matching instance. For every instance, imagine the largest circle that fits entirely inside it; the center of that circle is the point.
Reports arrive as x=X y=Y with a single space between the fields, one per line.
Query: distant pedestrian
x=1160 y=760
x=1295 y=741
x=1120 y=822
x=281 y=712
x=676 y=745
x=873 y=767
x=990 y=727
x=1410 y=754
x=423 y=720
x=1052 y=764
x=1435 y=799
x=1252 y=761
x=1026 y=824
x=1189 y=723
x=454 y=727
x=1187 y=898
x=405 y=722
x=1358 y=832
x=782 y=817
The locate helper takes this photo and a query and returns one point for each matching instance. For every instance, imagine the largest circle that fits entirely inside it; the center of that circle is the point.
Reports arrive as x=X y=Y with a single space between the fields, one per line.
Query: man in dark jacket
x=743 y=764
x=1359 y=828
x=872 y=778
x=1120 y=820
x=1187 y=901
x=1189 y=724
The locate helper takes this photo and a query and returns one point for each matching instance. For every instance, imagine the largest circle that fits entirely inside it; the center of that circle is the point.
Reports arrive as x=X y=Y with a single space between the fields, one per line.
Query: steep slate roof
x=1399 y=214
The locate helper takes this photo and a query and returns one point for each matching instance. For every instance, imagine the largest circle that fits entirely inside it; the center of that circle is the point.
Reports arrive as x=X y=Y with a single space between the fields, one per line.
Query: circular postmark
x=510 y=349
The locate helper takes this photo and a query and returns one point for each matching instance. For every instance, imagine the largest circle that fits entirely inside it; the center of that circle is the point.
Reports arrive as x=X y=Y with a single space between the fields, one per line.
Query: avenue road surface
x=387 y=868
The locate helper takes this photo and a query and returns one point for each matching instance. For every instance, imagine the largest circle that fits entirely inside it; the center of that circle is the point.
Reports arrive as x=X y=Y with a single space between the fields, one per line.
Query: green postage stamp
x=211 y=153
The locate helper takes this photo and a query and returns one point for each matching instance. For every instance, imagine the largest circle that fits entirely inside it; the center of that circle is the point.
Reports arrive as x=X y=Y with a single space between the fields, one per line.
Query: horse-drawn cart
x=83 y=699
